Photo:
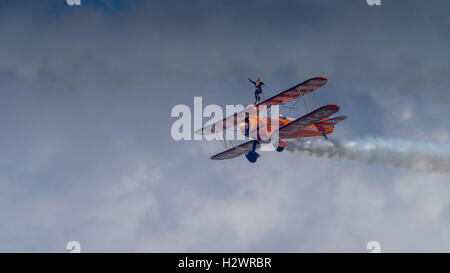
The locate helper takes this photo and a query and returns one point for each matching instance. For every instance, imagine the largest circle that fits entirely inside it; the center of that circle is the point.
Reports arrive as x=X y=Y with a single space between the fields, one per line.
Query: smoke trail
x=417 y=155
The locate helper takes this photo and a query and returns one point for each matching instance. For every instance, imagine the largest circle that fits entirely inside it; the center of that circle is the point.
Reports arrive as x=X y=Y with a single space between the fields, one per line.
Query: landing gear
x=281 y=145
x=252 y=156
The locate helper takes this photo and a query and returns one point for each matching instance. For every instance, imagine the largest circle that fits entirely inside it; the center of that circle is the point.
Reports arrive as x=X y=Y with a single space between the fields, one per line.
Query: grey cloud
x=390 y=47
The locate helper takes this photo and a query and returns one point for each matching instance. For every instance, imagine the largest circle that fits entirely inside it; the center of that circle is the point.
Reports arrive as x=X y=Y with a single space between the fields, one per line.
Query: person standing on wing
x=258 y=88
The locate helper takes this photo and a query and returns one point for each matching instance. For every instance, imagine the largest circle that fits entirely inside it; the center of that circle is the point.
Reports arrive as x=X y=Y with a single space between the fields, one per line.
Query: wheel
x=252 y=156
x=280 y=149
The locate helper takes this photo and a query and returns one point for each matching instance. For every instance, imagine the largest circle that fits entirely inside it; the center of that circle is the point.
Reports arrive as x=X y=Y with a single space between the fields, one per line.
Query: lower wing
x=236 y=151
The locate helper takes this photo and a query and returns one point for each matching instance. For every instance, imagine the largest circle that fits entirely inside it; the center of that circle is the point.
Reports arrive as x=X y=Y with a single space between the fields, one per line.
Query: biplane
x=259 y=129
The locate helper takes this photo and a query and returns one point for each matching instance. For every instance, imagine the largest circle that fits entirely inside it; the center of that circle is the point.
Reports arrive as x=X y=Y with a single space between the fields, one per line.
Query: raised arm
x=251 y=80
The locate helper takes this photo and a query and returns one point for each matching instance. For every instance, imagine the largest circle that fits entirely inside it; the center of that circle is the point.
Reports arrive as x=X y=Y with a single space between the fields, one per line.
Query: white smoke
x=416 y=155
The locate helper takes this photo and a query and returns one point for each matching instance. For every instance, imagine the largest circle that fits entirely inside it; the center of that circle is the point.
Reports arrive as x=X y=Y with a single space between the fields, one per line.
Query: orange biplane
x=259 y=129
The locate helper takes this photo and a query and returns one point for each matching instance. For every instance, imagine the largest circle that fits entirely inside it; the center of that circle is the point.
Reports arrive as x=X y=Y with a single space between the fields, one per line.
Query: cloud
x=151 y=40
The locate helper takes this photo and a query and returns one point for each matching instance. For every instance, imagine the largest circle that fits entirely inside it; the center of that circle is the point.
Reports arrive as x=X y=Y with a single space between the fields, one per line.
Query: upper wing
x=235 y=151
x=295 y=92
x=284 y=97
x=288 y=130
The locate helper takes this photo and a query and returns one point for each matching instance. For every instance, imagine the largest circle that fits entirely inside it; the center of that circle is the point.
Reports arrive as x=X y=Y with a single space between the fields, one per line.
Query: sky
x=86 y=152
